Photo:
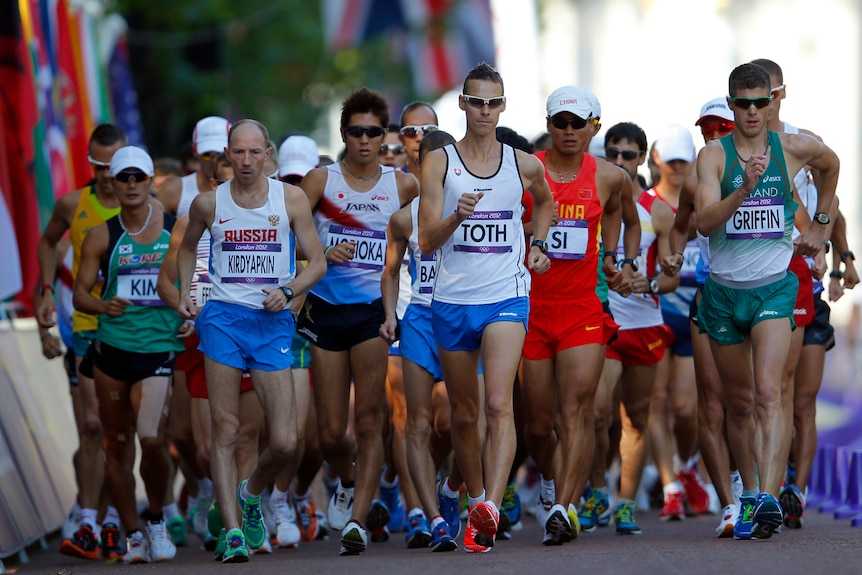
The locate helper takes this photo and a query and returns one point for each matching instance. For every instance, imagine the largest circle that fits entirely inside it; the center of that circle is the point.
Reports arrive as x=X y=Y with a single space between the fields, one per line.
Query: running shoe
x=112 y=550
x=354 y=539
x=441 y=538
x=340 y=507
x=729 y=516
x=137 y=549
x=486 y=520
x=695 y=493
x=215 y=523
x=557 y=527
x=199 y=519
x=266 y=548
x=449 y=510
x=594 y=511
x=543 y=508
x=470 y=545
x=378 y=521
x=252 y=518
x=572 y=513
x=391 y=497
x=418 y=531
x=161 y=546
x=624 y=518
x=736 y=487
x=768 y=516
x=305 y=517
x=221 y=545
x=70 y=524
x=177 y=531
x=83 y=544
x=511 y=506
x=236 y=550
x=287 y=533
x=674 y=507
x=793 y=502
x=745 y=520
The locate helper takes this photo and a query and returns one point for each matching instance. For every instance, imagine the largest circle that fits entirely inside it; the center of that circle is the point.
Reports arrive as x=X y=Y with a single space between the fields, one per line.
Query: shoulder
x=401 y=223
x=406 y=180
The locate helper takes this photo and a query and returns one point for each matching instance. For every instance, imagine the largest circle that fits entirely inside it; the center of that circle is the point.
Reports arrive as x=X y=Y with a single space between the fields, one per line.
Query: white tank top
x=482 y=262
x=343 y=215
x=188 y=193
x=252 y=249
x=423 y=268
x=201 y=284
x=639 y=310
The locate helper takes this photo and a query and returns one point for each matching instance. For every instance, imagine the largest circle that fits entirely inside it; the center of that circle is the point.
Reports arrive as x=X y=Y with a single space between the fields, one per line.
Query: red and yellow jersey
x=573 y=242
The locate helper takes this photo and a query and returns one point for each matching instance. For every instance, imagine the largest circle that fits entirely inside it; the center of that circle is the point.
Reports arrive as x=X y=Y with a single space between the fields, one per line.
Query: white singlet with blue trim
x=482 y=262
x=423 y=268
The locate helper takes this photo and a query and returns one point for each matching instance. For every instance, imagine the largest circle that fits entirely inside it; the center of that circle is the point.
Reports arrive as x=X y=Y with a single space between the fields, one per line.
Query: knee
x=152 y=446
x=91 y=430
x=498 y=408
x=740 y=405
x=419 y=428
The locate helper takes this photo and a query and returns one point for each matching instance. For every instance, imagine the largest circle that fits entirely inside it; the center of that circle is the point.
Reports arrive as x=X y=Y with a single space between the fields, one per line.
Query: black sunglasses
x=479 y=103
x=628 y=155
x=746 y=103
x=358 y=131
x=561 y=123
x=126 y=176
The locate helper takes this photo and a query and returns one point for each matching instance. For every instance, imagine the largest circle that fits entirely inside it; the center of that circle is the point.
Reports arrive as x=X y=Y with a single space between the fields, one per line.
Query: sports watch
x=631 y=262
x=541 y=244
x=821 y=218
x=288 y=293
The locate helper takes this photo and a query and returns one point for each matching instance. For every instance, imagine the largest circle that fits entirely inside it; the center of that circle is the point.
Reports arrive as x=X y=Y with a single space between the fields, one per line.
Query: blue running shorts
x=459 y=327
x=417 y=340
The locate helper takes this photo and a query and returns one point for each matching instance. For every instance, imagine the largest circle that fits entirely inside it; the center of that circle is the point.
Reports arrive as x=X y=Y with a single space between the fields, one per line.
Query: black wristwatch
x=541 y=244
x=836 y=274
x=288 y=293
x=610 y=255
x=821 y=218
x=848 y=254
x=631 y=262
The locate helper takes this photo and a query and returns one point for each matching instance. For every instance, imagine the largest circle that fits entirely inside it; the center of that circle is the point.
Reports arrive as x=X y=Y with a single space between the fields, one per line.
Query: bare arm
x=620 y=280
x=400 y=227
x=169 y=193
x=713 y=211
x=166 y=285
x=434 y=229
x=811 y=151
x=306 y=234
x=533 y=178
x=201 y=214
x=47 y=253
x=663 y=222
x=408 y=187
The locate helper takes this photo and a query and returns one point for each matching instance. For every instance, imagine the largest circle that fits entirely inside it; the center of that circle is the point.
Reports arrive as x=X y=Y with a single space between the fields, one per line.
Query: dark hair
x=413 y=106
x=167 y=166
x=108 y=135
x=748 y=77
x=365 y=100
x=627 y=131
x=771 y=67
x=434 y=140
x=542 y=142
x=483 y=71
x=393 y=128
x=514 y=139
x=263 y=131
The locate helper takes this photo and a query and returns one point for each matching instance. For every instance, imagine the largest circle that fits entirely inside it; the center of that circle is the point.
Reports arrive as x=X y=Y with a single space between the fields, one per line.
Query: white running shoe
x=340 y=507
x=137 y=549
x=199 y=519
x=287 y=531
x=70 y=524
x=264 y=549
x=729 y=515
x=736 y=488
x=161 y=546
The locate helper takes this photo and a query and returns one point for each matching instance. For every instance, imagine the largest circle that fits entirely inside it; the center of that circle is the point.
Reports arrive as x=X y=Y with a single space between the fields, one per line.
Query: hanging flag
x=123 y=96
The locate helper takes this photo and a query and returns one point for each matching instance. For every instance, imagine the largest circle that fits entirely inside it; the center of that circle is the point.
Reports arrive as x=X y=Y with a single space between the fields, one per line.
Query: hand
x=50 y=345
x=538 y=261
x=754 y=169
x=820 y=266
x=341 y=252
x=387 y=329
x=670 y=265
x=622 y=281
x=836 y=289
x=186 y=330
x=45 y=312
x=810 y=242
x=187 y=308
x=851 y=276
x=275 y=300
x=117 y=306
x=467 y=205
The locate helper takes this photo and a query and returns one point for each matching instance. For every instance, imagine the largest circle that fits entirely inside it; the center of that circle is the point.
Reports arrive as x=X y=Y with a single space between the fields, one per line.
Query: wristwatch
x=821 y=218
x=653 y=286
x=288 y=293
x=631 y=262
x=612 y=254
x=541 y=244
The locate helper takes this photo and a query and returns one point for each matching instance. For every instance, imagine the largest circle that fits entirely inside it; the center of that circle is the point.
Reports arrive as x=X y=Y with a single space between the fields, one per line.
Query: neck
x=135 y=214
x=746 y=146
x=569 y=162
x=204 y=184
x=668 y=192
x=361 y=170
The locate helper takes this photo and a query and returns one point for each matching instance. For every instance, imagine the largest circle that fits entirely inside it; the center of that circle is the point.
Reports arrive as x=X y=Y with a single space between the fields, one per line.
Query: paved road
x=822 y=546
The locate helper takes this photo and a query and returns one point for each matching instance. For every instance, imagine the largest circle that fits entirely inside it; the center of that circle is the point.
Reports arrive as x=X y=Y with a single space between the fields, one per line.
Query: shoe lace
x=303 y=509
x=109 y=537
x=283 y=512
x=625 y=514
x=253 y=514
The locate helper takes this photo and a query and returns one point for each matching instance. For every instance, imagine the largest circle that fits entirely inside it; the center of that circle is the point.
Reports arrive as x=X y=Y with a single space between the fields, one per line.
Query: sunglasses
x=370 y=131
x=479 y=103
x=97 y=165
x=776 y=91
x=708 y=129
x=628 y=155
x=396 y=149
x=561 y=123
x=746 y=103
x=411 y=131
x=208 y=156
x=127 y=176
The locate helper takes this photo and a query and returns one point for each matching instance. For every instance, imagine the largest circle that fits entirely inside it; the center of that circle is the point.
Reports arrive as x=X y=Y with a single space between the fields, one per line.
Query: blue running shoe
x=792 y=501
x=391 y=497
x=253 y=526
x=236 y=550
x=449 y=509
x=418 y=531
x=377 y=521
x=624 y=518
x=441 y=539
x=511 y=505
x=768 y=516
x=745 y=521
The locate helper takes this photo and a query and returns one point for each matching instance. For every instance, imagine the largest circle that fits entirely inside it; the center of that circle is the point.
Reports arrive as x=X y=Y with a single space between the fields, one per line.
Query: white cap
x=210 y=135
x=297 y=156
x=570 y=99
x=675 y=143
x=595 y=106
x=716 y=107
x=597 y=146
x=131 y=157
